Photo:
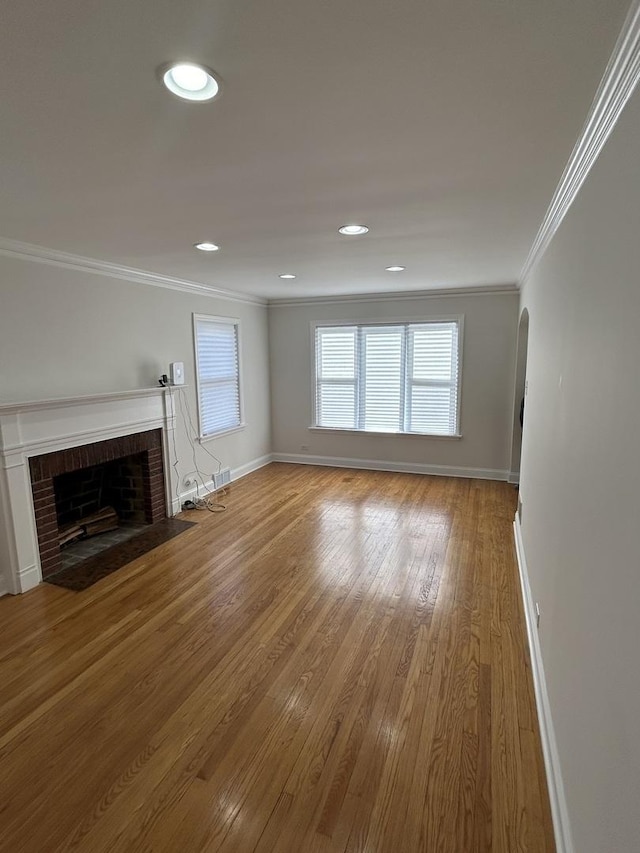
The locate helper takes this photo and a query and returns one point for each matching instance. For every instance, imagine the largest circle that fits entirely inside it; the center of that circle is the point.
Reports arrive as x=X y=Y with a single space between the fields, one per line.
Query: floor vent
x=222 y=478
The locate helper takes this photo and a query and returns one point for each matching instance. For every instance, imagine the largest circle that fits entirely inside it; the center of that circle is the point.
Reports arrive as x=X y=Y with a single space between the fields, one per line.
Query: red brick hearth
x=145 y=446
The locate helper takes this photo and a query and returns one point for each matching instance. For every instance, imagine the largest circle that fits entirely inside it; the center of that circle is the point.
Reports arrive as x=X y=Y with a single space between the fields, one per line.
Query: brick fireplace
x=65 y=486
x=44 y=440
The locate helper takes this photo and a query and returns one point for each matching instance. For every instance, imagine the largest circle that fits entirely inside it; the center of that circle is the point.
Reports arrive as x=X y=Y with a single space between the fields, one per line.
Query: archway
x=520 y=390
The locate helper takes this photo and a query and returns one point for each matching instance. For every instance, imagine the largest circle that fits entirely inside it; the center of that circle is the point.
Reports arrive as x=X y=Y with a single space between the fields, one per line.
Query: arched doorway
x=520 y=388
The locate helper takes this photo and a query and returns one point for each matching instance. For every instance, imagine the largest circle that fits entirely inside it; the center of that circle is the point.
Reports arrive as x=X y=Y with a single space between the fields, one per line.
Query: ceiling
x=443 y=126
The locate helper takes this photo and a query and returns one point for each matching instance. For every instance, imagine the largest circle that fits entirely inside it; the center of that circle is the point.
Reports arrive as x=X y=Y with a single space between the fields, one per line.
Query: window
x=397 y=378
x=218 y=374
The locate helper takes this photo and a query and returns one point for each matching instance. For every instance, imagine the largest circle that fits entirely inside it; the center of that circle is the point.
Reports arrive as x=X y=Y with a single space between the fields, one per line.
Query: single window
x=396 y=377
x=218 y=374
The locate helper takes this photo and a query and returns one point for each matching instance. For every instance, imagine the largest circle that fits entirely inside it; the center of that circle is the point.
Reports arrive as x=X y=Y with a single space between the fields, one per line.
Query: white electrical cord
x=174 y=464
x=209 y=502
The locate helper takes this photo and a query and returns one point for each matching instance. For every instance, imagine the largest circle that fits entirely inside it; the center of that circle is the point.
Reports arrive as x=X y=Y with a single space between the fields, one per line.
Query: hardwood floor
x=336 y=663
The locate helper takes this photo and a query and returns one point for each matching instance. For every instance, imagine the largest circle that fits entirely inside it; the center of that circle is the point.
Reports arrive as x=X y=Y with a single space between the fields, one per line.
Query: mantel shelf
x=60 y=402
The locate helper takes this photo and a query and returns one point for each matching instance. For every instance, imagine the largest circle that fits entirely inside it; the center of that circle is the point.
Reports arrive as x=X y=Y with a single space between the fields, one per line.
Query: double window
x=395 y=378
x=218 y=374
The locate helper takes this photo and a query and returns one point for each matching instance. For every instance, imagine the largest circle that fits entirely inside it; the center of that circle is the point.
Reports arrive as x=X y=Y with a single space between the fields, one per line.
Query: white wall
x=65 y=333
x=490 y=326
x=580 y=480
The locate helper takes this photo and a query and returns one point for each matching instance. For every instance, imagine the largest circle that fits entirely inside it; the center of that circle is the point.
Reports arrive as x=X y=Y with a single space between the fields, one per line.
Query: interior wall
x=66 y=333
x=489 y=341
x=579 y=486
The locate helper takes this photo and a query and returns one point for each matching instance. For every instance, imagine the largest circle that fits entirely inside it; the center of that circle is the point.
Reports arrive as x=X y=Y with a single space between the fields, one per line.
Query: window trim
x=387 y=321
x=231 y=321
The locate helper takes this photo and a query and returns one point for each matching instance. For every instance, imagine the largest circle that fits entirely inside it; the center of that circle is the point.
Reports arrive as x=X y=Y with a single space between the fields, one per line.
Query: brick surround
x=145 y=447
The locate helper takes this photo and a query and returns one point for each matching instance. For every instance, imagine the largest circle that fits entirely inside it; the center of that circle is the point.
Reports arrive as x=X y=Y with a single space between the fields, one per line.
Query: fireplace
x=124 y=474
x=130 y=433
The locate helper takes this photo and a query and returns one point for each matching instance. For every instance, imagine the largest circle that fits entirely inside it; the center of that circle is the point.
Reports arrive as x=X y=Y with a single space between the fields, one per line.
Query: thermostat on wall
x=176 y=371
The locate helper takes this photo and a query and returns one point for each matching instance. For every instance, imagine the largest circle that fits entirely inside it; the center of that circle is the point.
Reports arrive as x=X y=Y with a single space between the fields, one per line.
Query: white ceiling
x=444 y=125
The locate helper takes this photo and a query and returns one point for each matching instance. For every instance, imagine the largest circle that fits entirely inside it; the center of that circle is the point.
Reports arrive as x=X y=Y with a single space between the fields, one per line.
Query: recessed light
x=394 y=269
x=353 y=230
x=287 y=275
x=206 y=246
x=190 y=81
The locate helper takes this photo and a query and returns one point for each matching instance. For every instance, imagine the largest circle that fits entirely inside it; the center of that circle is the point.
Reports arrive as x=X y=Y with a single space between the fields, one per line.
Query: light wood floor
x=337 y=663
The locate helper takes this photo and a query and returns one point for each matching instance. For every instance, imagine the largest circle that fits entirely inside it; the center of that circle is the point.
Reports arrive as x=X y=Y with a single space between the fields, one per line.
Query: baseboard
x=560 y=815
x=250 y=467
x=236 y=474
x=514 y=478
x=29 y=578
x=397 y=467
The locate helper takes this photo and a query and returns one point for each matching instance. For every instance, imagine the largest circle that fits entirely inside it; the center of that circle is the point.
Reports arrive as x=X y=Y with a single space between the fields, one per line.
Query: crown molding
x=78 y=263
x=616 y=87
x=386 y=296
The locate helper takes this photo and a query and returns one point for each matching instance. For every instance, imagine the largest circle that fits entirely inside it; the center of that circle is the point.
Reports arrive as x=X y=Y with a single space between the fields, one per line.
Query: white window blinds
x=388 y=378
x=218 y=374
x=336 y=386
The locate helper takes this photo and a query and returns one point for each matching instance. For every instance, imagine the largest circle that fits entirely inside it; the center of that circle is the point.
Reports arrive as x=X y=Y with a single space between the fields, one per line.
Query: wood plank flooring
x=336 y=664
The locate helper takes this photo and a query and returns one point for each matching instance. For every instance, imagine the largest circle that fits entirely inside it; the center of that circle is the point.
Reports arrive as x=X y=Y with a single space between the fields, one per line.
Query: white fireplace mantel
x=45 y=426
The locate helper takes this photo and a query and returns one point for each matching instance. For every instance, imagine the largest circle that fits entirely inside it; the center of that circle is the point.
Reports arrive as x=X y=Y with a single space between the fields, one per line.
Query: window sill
x=392 y=434
x=203 y=438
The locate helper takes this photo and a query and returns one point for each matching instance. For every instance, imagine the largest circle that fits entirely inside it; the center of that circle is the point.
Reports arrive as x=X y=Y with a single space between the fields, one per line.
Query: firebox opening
x=99 y=506
x=119 y=479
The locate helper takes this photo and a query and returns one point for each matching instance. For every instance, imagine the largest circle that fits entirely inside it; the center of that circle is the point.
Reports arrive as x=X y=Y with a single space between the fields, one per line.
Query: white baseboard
x=236 y=474
x=397 y=467
x=250 y=467
x=514 y=478
x=29 y=578
x=560 y=815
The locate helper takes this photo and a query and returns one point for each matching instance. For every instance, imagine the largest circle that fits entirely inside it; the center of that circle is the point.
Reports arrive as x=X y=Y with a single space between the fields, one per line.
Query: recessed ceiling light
x=287 y=275
x=206 y=246
x=190 y=81
x=394 y=269
x=353 y=230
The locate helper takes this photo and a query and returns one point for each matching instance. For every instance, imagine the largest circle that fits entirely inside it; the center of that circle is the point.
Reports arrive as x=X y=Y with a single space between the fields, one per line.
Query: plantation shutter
x=433 y=379
x=382 y=371
x=388 y=378
x=336 y=377
x=218 y=375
